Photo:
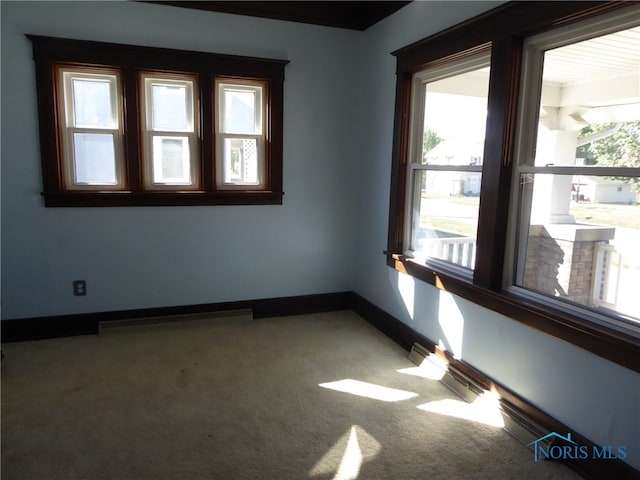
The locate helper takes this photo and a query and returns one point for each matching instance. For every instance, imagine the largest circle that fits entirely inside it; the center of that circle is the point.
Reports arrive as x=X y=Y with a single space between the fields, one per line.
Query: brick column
x=560 y=259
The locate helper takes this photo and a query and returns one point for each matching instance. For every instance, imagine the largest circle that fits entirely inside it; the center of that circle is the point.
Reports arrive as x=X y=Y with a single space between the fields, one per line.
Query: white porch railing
x=458 y=250
x=607 y=267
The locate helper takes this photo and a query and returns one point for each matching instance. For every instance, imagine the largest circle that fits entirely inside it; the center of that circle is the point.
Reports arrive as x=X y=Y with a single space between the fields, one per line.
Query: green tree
x=622 y=149
x=430 y=140
x=584 y=151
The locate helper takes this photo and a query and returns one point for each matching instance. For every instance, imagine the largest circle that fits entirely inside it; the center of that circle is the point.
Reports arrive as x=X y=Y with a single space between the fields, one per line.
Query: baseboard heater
x=516 y=423
x=108 y=325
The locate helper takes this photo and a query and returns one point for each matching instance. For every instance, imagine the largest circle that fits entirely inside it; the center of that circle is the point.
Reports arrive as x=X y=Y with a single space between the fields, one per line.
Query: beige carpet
x=242 y=399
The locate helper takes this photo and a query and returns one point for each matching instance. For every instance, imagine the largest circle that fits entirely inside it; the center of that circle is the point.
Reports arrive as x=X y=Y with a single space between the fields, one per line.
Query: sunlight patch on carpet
x=369 y=390
x=347 y=455
x=483 y=410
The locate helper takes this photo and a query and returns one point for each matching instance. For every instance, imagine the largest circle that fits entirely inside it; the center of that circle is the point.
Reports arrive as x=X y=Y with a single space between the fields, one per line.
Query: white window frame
x=189 y=82
x=68 y=129
x=416 y=132
x=527 y=128
x=259 y=135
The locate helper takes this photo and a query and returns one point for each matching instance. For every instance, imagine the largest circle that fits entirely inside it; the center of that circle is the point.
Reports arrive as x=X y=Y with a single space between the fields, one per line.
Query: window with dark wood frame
x=505 y=29
x=168 y=161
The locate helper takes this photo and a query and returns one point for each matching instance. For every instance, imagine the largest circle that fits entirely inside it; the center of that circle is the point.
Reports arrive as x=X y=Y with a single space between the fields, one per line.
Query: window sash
x=154 y=178
x=447 y=168
x=582 y=170
x=226 y=167
x=159 y=163
x=70 y=131
x=471 y=62
x=255 y=89
x=517 y=247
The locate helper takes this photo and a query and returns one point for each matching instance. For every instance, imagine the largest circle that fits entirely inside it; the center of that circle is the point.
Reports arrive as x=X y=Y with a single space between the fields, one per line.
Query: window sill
x=148 y=199
x=610 y=344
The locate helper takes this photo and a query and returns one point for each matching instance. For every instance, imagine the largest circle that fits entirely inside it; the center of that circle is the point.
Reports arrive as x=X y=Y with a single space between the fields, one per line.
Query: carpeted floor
x=323 y=396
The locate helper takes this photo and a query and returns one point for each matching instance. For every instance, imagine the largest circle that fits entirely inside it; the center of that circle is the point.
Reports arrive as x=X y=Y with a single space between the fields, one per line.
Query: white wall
x=592 y=396
x=164 y=256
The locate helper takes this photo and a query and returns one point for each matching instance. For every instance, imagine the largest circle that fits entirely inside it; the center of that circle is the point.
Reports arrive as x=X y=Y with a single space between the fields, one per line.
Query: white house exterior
x=602 y=190
x=455 y=152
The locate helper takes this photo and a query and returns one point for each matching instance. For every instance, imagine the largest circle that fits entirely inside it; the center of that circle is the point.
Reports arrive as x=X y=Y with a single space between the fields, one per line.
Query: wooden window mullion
x=493 y=216
x=207 y=105
x=132 y=130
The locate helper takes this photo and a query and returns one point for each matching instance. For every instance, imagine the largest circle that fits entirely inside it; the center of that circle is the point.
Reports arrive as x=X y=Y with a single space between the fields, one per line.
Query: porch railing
x=458 y=250
x=607 y=268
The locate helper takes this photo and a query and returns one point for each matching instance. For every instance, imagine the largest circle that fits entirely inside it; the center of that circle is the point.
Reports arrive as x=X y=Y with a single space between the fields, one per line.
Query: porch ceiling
x=608 y=56
x=597 y=79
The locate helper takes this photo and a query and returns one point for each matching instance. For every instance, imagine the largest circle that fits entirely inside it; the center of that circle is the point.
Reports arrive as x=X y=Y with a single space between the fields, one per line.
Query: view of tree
x=430 y=140
x=622 y=149
x=584 y=151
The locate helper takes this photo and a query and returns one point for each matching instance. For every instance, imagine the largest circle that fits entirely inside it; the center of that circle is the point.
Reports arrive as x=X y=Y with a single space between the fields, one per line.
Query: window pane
x=445 y=216
x=169 y=107
x=240 y=109
x=591 y=101
x=92 y=103
x=94 y=156
x=240 y=161
x=454 y=124
x=578 y=233
x=593 y=260
x=171 y=160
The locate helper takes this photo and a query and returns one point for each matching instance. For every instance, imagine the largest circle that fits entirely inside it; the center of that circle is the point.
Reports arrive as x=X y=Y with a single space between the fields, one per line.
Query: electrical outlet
x=79 y=288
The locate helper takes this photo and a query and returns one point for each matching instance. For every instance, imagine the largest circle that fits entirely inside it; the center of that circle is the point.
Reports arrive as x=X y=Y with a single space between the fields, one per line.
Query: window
x=91 y=132
x=134 y=126
x=547 y=198
x=240 y=135
x=449 y=112
x=170 y=134
x=577 y=228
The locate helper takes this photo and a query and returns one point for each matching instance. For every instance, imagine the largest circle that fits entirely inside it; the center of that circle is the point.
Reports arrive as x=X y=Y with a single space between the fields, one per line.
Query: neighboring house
x=602 y=190
x=454 y=152
x=453 y=183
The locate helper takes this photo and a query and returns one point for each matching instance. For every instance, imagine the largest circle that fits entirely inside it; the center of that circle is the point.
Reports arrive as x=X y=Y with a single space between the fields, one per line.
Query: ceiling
x=599 y=78
x=606 y=56
x=354 y=15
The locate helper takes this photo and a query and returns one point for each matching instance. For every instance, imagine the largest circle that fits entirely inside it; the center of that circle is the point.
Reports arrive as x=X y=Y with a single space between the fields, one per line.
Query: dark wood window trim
x=504 y=28
x=49 y=52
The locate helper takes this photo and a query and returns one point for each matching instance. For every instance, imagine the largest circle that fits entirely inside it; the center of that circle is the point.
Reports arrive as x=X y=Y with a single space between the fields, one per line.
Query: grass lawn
x=627 y=216
x=624 y=216
x=446 y=225
x=453 y=214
